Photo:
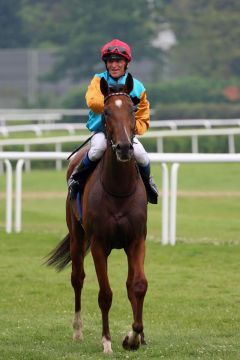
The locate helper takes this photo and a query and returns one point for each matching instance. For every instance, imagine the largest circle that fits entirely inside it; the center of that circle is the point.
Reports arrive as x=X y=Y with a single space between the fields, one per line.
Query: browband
x=116 y=94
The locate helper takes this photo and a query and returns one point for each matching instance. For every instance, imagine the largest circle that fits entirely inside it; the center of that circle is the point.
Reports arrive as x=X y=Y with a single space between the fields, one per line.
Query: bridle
x=116 y=94
x=114 y=146
x=110 y=141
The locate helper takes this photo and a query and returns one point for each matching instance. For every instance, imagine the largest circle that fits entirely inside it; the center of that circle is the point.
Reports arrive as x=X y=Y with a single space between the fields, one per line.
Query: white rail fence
x=52 y=115
x=231 y=133
x=39 y=115
x=169 y=183
x=39 y=129
x=47 y=123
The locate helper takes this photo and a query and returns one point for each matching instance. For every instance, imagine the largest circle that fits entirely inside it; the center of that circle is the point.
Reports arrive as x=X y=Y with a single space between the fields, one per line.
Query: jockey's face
x=116 y=68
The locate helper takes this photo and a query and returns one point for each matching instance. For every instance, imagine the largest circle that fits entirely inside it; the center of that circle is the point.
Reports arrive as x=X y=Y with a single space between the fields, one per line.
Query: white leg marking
x=133 y=338
x=107 y=346
x=77 y=326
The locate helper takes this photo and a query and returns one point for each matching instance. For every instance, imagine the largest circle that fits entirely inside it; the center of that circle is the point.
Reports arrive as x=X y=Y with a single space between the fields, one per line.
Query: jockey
x=116 y=55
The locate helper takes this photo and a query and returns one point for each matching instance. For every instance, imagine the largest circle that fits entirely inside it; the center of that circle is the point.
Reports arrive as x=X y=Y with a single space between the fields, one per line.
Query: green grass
x=32 y=135
x=192 y=304
x=191 y=308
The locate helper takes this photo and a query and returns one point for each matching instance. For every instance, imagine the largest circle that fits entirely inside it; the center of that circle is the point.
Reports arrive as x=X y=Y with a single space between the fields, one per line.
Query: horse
x=114 y=216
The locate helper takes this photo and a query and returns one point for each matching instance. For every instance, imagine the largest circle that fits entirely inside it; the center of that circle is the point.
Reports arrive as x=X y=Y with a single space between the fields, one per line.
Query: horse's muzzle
x=124 y=151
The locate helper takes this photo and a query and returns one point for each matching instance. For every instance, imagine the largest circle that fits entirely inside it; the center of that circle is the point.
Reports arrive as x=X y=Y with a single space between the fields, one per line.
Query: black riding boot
x=151 y=187
x=79 y=176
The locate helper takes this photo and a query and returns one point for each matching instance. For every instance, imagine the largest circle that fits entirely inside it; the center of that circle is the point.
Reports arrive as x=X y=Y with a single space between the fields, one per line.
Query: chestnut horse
x=114 y=215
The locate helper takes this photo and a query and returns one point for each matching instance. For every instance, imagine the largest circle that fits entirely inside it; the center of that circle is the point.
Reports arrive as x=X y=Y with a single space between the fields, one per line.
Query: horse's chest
x=119 y=230
x=117 y=221
x=114 y=228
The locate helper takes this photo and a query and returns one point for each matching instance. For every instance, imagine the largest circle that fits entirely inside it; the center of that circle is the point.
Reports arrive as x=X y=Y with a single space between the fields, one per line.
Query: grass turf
x=191 y=308
x=192 y=305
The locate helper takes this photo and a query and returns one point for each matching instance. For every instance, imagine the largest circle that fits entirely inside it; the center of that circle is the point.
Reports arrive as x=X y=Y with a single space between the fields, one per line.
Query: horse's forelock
x=117 y=88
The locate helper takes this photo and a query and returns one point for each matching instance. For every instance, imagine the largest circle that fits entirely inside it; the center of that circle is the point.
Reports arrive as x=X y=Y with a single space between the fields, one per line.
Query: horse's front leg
x=77 y=276
x=137 y=288
x=105 y=293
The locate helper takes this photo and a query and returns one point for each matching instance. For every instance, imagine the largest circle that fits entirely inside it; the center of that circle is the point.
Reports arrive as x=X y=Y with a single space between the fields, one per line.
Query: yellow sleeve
x=94 y=97
x=142 y=115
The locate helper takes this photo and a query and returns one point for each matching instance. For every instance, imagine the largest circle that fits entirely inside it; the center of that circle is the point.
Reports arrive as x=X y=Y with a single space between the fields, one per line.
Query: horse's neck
x=118 y=178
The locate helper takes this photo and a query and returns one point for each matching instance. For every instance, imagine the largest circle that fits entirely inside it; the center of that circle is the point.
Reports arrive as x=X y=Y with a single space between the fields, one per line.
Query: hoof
x=130 y=346
x=77 y=336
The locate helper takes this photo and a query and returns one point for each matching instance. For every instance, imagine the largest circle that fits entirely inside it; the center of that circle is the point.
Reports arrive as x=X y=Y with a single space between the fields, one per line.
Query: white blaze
x=118 y=103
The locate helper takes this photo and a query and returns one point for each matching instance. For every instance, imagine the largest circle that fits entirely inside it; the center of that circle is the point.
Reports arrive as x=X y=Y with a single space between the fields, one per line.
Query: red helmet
x=116 y=48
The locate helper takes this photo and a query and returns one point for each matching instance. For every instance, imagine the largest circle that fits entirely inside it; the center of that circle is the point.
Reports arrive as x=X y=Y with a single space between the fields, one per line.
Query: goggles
x=116 y=49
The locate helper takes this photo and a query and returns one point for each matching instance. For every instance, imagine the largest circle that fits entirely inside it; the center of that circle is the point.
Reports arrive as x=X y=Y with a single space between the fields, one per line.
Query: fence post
x=173 y=204
x=18 y=205
x=159 y=144
x=165 y=190
x=194 y=144
x=58 y=148
x=1 y=162
x=231 y=144
x=27 y=162
x=8 y=225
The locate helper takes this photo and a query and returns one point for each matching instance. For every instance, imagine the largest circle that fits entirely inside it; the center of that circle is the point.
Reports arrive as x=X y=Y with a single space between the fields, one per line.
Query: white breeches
x=98 y=145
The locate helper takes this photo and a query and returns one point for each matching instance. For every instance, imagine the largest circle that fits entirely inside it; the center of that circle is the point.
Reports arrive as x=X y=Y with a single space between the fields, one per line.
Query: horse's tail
x=60 y=256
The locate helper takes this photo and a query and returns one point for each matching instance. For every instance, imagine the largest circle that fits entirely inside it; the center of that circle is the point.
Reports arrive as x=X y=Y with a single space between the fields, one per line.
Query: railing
x=194 y=134
x=40 y=115
x=169 y=183
x=158 y=135
x=191 y=123
x=38 y=129
x=47 y=123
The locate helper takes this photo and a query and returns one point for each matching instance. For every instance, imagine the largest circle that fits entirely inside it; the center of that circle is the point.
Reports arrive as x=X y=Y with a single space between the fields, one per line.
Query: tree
x=11 y=26
x=78 y=28
x=208 y=35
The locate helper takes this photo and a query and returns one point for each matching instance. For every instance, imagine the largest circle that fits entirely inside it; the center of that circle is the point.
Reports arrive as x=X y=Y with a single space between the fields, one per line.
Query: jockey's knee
x=140 y=153
x=95 y=154
x=98 y=146
x=143 y=160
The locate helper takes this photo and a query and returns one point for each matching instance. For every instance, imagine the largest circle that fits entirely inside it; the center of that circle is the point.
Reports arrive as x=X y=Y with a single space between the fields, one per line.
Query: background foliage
x=204 y=60
x=207 y=32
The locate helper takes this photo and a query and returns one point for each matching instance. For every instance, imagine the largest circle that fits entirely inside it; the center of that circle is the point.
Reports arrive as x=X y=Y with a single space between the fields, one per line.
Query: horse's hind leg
x=136 y=287
x=105 y=293
x=77 y=277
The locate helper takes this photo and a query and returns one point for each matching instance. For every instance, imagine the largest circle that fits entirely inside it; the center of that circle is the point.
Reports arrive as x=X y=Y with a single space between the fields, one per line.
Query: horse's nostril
x=124 y=146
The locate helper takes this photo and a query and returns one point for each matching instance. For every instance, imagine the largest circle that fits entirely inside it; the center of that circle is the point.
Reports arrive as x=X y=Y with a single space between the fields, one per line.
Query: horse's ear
x=129 y=83
x=104 y=87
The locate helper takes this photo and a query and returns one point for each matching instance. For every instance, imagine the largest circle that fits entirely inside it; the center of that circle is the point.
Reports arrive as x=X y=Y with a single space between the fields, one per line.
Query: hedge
x=197 y=111
x=189 y=90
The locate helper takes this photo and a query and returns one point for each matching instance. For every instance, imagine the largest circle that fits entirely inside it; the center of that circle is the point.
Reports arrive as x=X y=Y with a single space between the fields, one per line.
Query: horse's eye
x=107 y=112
